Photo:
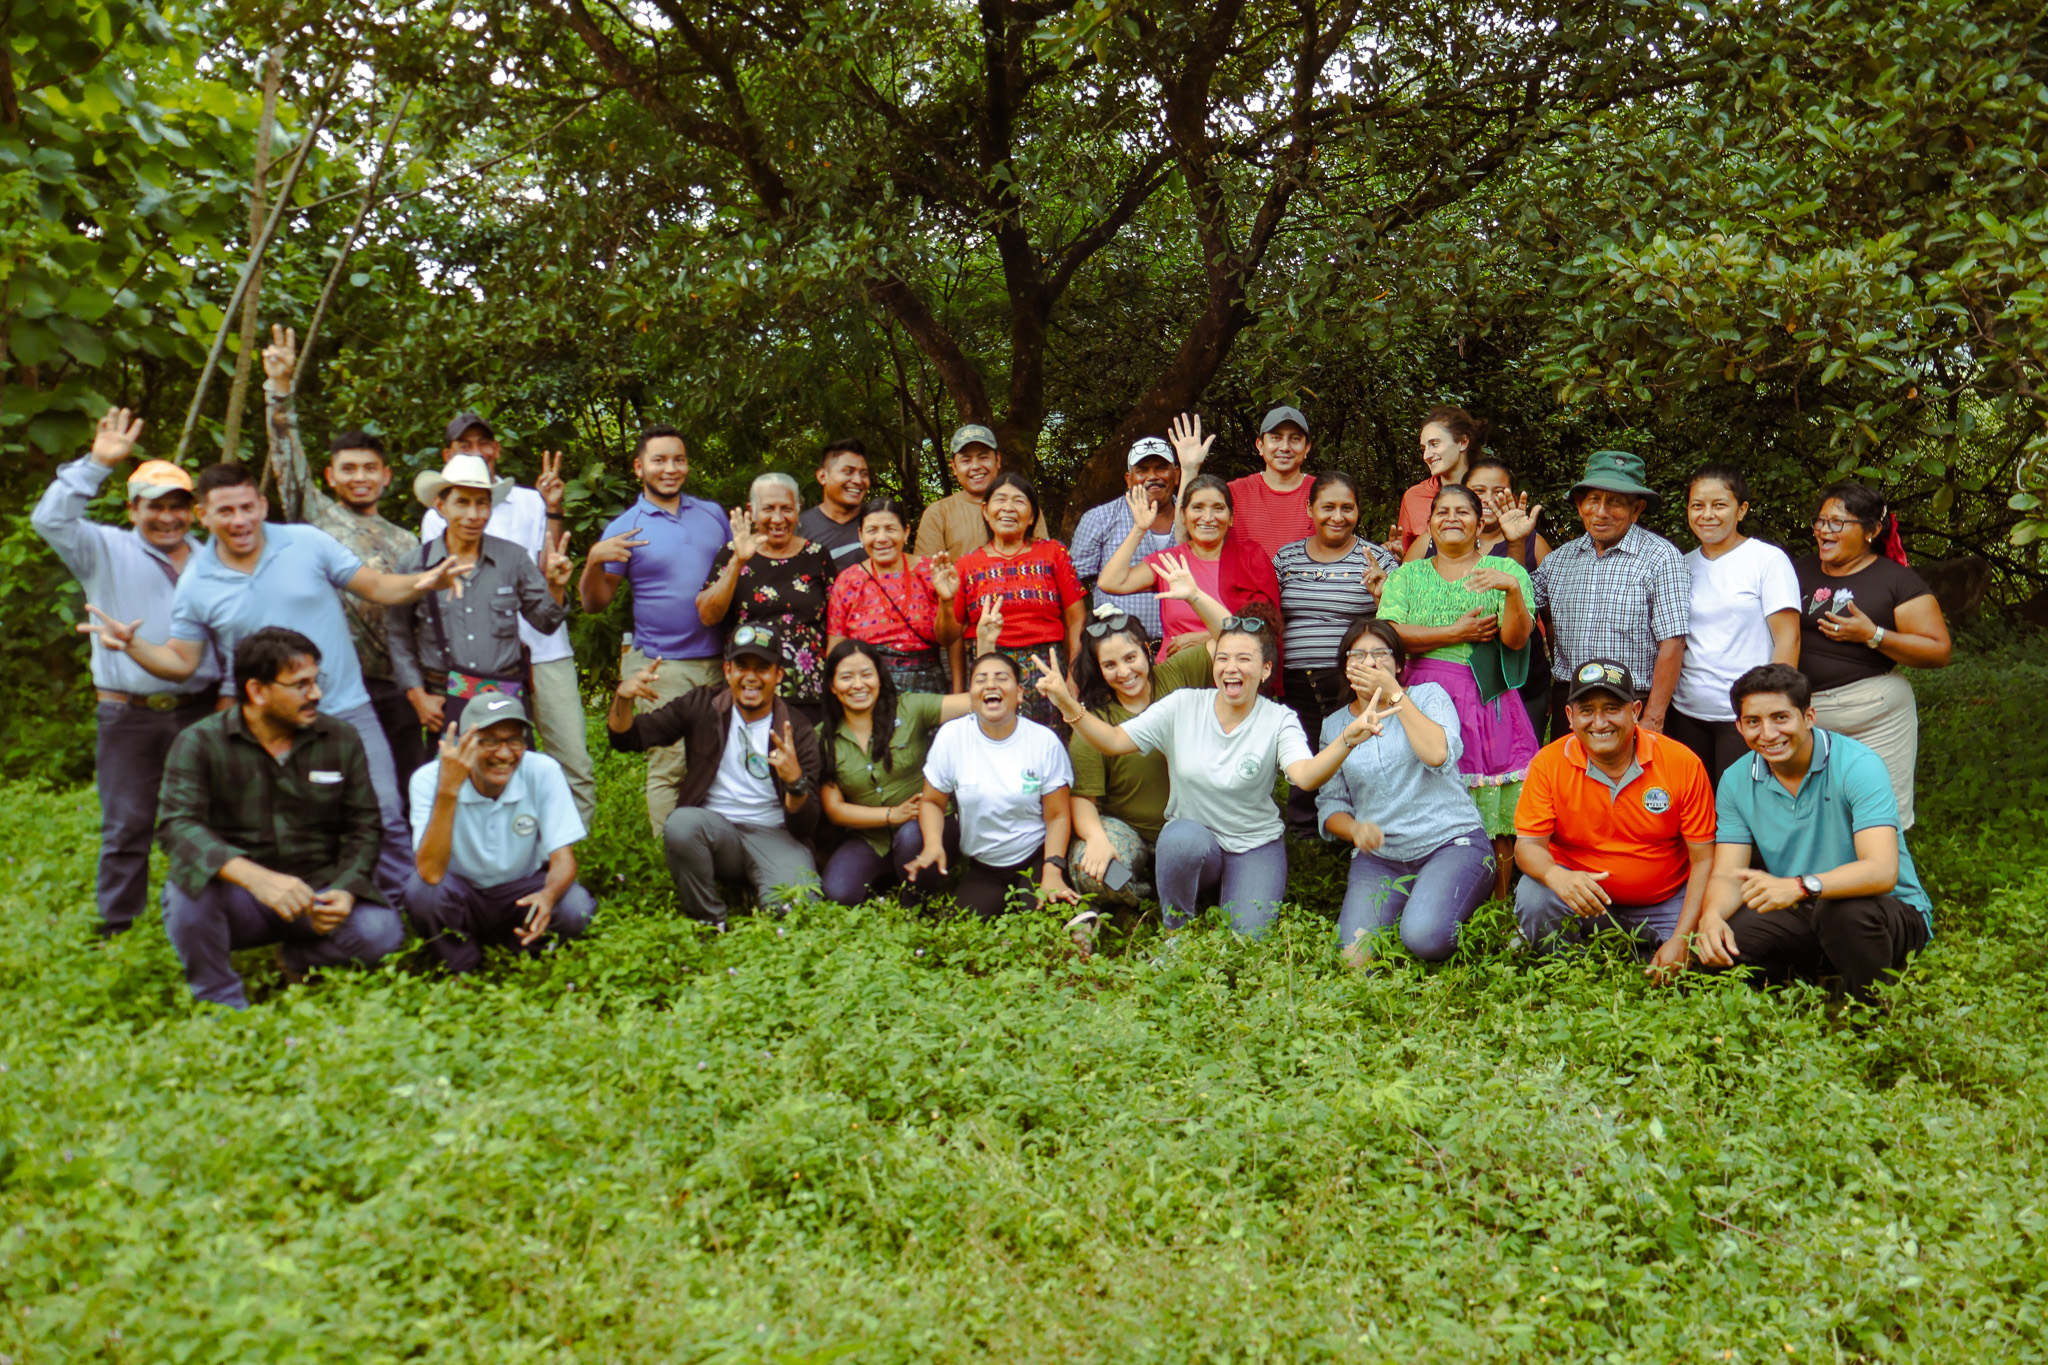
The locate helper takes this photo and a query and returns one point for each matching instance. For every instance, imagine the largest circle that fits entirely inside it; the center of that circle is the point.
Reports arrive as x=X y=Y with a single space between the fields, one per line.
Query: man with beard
x=358 y=473
x=135 y=572
x=272 y=829
x=1151 y=466
x=748 y=805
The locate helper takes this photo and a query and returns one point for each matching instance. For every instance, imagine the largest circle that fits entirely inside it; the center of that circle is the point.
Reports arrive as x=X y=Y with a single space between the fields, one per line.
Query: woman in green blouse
x=1465 y=619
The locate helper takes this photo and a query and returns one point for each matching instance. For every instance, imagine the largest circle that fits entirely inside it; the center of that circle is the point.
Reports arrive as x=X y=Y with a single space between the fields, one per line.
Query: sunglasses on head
x=1108 y=625
x=1243 y=625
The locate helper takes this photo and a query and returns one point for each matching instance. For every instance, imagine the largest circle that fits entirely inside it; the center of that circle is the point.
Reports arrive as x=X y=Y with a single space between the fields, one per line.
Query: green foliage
x=862 y=1135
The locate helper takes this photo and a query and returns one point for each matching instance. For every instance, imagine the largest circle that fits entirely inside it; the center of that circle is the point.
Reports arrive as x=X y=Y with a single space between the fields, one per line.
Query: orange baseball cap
x=154 y=478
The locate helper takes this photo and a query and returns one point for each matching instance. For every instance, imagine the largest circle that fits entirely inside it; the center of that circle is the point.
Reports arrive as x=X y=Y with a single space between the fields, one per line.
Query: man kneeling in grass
x=1836 y=892
x=272 y=827
x=494 y=835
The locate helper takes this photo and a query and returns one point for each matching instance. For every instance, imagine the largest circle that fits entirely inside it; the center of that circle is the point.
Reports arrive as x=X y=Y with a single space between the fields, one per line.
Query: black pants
x=1862 y=941
x=401 y=726
x=1312 y=694
x=985 y=890
x=1718 y=743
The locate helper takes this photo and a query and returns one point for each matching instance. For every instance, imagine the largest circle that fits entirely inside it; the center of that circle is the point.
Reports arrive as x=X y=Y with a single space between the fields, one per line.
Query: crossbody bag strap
x=907 y=625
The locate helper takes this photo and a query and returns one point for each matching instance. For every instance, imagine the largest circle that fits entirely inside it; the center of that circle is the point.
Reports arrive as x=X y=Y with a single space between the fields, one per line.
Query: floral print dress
x=791 y=596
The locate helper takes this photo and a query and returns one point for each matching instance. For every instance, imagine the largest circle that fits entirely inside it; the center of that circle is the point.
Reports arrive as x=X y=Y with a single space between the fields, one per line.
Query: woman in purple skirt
x=1465 y=619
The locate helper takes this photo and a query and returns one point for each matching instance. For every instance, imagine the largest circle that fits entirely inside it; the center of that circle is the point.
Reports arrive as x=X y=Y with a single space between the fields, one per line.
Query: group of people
x=334 y=723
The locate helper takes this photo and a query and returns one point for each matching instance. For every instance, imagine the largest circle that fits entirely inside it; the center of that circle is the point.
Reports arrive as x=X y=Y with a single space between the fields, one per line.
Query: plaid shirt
x=313 y=815
x=1619 y=605
x=1100 y=530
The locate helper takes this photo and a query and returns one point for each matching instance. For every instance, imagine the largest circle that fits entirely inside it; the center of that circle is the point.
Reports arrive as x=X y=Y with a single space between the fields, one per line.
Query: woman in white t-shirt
x=1014 y=785
x=1745 y=612
x=1222 y=843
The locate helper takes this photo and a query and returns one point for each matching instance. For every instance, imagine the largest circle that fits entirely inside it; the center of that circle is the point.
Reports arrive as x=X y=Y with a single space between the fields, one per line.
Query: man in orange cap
x=134 y=571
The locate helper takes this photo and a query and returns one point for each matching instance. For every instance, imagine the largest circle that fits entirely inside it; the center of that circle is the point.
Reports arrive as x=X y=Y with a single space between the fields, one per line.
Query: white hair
x=774 y=479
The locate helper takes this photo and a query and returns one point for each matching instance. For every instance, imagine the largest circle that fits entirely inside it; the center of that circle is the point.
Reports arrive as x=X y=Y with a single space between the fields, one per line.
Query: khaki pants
x=558 y=718
x=665 y=766
x=1881 y=713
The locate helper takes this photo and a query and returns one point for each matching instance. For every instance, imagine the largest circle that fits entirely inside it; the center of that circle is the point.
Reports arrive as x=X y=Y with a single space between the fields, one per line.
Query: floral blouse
x=790 y=595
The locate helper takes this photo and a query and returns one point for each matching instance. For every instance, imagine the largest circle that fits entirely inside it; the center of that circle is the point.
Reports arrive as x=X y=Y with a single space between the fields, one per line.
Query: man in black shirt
x=835 y=522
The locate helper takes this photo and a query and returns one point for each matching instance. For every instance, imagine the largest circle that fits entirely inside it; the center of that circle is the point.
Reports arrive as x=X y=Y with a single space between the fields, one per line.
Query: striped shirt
x=1320 y=601
x=1619 y=605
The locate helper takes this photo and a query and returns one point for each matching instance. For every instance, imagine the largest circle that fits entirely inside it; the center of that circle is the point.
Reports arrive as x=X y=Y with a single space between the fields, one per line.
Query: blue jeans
x=1549 y=924
x=457 y=919
x=1194 y=873
x=128 y=765
x=856 y=873
x=394 y=858
x=224 y=918
x=1429 y=897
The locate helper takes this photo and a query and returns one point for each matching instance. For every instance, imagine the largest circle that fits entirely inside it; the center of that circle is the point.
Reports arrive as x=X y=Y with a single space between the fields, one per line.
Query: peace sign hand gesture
x=990 y=628
x=1052 y=685
x=446 y=574
x=782 y=754
x=640 y=687
x=1366 y=724
x=113 y=634
x=555 y=564
x=745 y=542
x=115 y=439
x=616 y=549
x=280 y=359
x=553 y=489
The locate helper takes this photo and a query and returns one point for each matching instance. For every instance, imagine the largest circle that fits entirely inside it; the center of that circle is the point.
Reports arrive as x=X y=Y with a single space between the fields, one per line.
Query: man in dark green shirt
x=272 y=828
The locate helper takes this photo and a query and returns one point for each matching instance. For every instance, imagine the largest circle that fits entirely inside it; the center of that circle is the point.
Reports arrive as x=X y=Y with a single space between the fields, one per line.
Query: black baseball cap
x=463 y=422
x=1602 y=675
x=757 y=642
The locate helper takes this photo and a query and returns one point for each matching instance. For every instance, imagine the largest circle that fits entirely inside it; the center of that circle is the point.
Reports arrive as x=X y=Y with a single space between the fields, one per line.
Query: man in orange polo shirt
x=1615 y=827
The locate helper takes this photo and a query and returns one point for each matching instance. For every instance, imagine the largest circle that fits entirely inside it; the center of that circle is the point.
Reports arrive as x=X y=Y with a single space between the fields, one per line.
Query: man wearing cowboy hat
x=531 y=518
x=1618 y=591
x=134 y=572
x=448 y=647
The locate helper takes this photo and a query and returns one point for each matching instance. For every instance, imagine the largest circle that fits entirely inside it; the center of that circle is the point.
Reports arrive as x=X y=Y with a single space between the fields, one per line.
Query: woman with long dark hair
x=1231 y=569
x=1864 y=612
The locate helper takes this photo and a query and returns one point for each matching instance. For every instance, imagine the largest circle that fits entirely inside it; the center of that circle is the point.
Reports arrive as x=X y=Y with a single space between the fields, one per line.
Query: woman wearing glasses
x=1422 y=859
x=901 y=605
x=1464 y=618
x=1863 y=613
x=1120 y=799
x=1327 y=581
x=768 y=575
x=1234 y=572
x=1223 y=842
x=1010 y=778
x=1027 y=580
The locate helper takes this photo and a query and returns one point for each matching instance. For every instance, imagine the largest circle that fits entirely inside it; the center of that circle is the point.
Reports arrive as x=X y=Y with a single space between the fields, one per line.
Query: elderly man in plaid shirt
x=1617 y=592
x=272 y=828
x=1150 y=464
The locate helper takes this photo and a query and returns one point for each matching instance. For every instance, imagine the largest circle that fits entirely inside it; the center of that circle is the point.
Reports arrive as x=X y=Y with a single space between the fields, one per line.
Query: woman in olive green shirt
x=873 y=744
x=1120 y=799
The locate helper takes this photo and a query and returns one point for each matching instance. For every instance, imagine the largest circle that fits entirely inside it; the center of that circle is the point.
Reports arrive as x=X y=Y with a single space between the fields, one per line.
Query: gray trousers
x=222 y=919
x=128 y=767
x=394 y=857
x=703 y=846
x=558 y=717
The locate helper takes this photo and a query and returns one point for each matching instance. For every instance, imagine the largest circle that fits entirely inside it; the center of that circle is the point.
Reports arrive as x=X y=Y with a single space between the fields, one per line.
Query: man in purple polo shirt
x=663 y=545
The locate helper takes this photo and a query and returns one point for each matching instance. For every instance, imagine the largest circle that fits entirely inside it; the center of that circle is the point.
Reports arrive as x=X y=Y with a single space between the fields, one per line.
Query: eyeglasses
x=513 y=743
x=1244 y=625
x=1108 y=625
x=1371 y=656
x=1834 y=526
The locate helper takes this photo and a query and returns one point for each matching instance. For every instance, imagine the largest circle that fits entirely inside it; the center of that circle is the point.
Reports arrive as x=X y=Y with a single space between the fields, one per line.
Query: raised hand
x=550 y=485
x=782 y=754
x=1139 y=500
x=1379 y=682
x=329 y=909
x=945 y=576
x=990 y=628
x=1373 y=575
x=280 y=358
x=640 y=687
x=112 y=633
x=745 y=542
x=540 y=912
x=1516 y=520
x=1365 y=725
x=555 y=564
x=446 y=574
x=115 y=439
x=1052 y=685
x=1190 y=447
x=459 y=757
x=1180 y=579
x=616 y=549
x=1476 y=626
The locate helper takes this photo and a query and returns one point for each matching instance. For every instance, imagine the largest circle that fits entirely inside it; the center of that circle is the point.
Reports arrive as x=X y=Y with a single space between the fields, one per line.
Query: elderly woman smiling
x=771 y=576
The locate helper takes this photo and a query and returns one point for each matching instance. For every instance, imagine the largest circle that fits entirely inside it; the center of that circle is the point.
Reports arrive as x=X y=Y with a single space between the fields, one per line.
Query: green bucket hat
x=1617 y=471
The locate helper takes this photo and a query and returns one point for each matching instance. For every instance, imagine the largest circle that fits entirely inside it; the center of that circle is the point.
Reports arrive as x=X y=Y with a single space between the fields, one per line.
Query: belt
x=155 y=701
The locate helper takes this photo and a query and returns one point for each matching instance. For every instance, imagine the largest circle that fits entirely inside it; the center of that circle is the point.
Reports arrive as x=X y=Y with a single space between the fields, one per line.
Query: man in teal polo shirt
x=1836 y=891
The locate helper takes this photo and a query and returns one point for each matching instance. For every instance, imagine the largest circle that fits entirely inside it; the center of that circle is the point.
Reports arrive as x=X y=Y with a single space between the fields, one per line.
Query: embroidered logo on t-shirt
x=1248 y=768
x=1032 y=782
x=1656 y=800
x=524 y=826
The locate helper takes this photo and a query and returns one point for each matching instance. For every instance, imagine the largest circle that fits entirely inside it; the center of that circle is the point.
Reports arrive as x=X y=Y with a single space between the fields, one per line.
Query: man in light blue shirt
x=134 y=572
x=664 y=546
x=495 y=829
x=251 y=575
x=1151 y=465
x=1836 y=892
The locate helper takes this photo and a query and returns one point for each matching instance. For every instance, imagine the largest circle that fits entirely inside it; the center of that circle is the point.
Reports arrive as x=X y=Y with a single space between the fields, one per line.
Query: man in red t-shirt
x=1614 y=827
x=1269 y=508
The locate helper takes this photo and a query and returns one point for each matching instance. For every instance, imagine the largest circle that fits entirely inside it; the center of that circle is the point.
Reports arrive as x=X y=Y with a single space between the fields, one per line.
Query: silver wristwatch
x=1810 y=884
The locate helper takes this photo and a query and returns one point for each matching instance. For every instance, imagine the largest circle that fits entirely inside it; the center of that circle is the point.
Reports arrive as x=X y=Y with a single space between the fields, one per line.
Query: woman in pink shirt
x=1230 y=569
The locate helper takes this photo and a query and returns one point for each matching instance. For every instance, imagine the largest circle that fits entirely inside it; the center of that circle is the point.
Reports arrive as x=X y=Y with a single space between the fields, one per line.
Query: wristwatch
x=1054 y=861
x=801 y=787
x=1810 y=884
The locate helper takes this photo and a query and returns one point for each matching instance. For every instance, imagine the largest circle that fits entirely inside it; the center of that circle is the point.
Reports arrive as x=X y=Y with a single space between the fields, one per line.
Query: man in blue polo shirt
x=250 y=575
x=495 y=831
x=663 y=545
x=1836 y=890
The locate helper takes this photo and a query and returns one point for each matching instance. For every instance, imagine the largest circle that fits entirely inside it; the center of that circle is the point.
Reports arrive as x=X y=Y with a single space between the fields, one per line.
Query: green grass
x=864 y=1136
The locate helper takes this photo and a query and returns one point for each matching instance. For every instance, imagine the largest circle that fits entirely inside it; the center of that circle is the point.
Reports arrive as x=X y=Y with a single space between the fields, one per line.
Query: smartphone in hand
x=1116 y=876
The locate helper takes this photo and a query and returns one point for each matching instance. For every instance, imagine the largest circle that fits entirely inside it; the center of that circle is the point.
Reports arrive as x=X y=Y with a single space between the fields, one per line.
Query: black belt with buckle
x=155 y=701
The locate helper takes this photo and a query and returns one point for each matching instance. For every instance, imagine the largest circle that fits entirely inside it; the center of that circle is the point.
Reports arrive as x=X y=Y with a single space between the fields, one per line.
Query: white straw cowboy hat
x=464 y=471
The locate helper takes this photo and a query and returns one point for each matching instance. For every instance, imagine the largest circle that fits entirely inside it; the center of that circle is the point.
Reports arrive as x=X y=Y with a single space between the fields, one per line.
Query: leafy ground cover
x=867 y=1136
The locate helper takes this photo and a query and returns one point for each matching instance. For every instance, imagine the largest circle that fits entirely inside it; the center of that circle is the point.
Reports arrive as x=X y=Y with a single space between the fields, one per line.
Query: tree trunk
x=238 y=395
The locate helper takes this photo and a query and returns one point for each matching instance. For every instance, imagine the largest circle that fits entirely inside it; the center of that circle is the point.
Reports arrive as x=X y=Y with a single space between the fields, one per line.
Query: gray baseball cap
x=463 y=421
x=490 y=707
x=1283 y=414
x=973 y=434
